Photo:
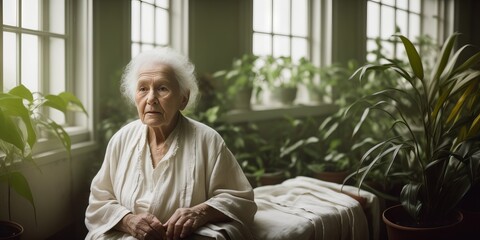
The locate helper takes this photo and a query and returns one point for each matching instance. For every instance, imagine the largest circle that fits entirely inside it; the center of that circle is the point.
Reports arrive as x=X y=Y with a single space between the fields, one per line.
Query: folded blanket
x=307 y=208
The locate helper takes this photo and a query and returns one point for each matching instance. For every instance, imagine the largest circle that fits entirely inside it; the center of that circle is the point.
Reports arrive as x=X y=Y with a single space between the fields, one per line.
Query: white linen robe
x=202 y=170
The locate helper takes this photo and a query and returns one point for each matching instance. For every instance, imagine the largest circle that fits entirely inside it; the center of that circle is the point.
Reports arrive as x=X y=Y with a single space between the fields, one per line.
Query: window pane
x=402 y=4
x=147 y=47
x=415 y=6
x=10 y=9
x=299 y=18
x=9 y=61
x=57 y=74
x=135 y=20
x=414 y=30
x=149 y=1
x=390 y=2
x=262 y=15
x=402 y=21
x=135 y=49
x=281 y=46
x=262 y=44
x=371 y=46
x=57 y=65
x=373 y=18
x=147 y=23
x=388 y=25
x=162 y=27
x=388 y=49
x=299 y=48
x=30 y=11
x=29 y=62
x=401 y=54
x=57 y=16
x=162 y=3
x=281 y=16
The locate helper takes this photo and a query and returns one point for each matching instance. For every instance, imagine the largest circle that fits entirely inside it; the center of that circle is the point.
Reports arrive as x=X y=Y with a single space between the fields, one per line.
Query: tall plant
x=432 y=120
x=22 y=121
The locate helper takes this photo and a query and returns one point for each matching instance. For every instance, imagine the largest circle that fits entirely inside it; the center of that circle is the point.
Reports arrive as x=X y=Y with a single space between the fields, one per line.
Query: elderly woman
x=166 y=176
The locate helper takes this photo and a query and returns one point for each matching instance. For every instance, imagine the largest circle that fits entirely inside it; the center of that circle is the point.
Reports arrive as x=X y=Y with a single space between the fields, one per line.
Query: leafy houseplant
x=240 y=80
x=432 y=118
x=281 y=76
x=22 y=123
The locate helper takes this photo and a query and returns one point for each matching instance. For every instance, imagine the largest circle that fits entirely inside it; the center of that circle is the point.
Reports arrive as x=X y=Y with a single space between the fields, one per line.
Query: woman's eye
x=162 y=89
x=142 y=89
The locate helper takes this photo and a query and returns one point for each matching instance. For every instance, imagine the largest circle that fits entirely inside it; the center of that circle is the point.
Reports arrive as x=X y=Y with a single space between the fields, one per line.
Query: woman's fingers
x=182 y=223
x=146 y=226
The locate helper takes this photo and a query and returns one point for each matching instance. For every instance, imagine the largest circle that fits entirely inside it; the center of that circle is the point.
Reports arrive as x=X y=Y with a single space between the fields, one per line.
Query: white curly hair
x=184 y=72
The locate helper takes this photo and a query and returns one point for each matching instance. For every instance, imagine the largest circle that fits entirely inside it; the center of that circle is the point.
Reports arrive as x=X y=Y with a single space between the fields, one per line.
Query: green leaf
x=444 y=56
x=19 y=183
x=56 y=102
x=13 y=106
x=449 y=68
x=413 y=57
x=10 y=132
x=473 y=60
x=23 y=92
x=411 y=200
x=61 y=134
x=362 y=119
x=73 y=102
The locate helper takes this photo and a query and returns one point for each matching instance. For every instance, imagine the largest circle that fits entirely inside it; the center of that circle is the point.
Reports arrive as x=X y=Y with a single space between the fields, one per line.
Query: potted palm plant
x=431 y=120
x=22 y=124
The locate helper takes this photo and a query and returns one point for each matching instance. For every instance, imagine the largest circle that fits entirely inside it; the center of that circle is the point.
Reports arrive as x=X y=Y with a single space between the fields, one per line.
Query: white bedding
x=307 y=208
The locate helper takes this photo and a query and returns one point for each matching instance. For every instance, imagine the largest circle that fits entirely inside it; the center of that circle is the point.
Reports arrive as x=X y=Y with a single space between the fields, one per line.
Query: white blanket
x=307 y=208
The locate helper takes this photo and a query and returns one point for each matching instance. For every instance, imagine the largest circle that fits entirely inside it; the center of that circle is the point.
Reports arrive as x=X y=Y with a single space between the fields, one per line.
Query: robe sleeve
x=104 y=210
x=229 y=190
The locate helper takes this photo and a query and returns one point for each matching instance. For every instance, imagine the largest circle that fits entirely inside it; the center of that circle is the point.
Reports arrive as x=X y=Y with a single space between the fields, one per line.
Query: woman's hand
x=186 y=220
x=142 y=226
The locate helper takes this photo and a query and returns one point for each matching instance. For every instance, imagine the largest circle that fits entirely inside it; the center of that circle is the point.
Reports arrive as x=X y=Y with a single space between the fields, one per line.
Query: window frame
x=78 y=71
x=290 y=35
x=436 y=13
x=177 y=26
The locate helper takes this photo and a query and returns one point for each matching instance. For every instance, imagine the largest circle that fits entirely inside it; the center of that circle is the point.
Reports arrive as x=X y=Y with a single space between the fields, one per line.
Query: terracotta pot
x=336 y=177
x=395 y=217
x=470 y=225
x=272 y=178
x=10 y=230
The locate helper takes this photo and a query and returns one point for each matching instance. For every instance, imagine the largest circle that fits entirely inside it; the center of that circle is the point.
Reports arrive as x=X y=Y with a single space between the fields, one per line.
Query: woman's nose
x=151 y=98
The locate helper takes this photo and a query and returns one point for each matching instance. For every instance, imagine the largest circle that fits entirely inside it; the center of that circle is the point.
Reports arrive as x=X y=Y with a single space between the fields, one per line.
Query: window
x=34 y=40
x=411 y=18
x=47 y=52
x=150 y=24
x=281 y=28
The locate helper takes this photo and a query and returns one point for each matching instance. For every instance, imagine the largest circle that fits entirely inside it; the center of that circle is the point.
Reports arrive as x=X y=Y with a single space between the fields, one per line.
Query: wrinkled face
x=158 y=98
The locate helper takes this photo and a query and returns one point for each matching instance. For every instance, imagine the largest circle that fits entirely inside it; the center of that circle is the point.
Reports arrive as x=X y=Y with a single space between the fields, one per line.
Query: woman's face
x=158 y=98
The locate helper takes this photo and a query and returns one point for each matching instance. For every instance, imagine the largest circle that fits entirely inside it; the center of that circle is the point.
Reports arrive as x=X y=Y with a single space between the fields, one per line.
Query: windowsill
x=262 y=113
x=59 y=154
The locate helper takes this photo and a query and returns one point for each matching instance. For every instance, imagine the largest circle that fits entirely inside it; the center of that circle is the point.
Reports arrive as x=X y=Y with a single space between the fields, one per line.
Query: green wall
x=215 y=33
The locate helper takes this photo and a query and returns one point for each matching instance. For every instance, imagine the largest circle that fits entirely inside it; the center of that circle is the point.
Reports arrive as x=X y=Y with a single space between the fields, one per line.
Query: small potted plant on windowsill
x=22 y=121
x=240 y=80
x=431 y=119
x=280 y=76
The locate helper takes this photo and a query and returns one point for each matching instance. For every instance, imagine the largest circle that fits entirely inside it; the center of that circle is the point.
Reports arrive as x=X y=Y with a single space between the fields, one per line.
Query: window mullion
x=290 y=28
x=44 y=48
x=272 y=34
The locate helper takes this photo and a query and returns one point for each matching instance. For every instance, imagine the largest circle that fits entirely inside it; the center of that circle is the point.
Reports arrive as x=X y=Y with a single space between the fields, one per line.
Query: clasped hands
x=181 y=224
